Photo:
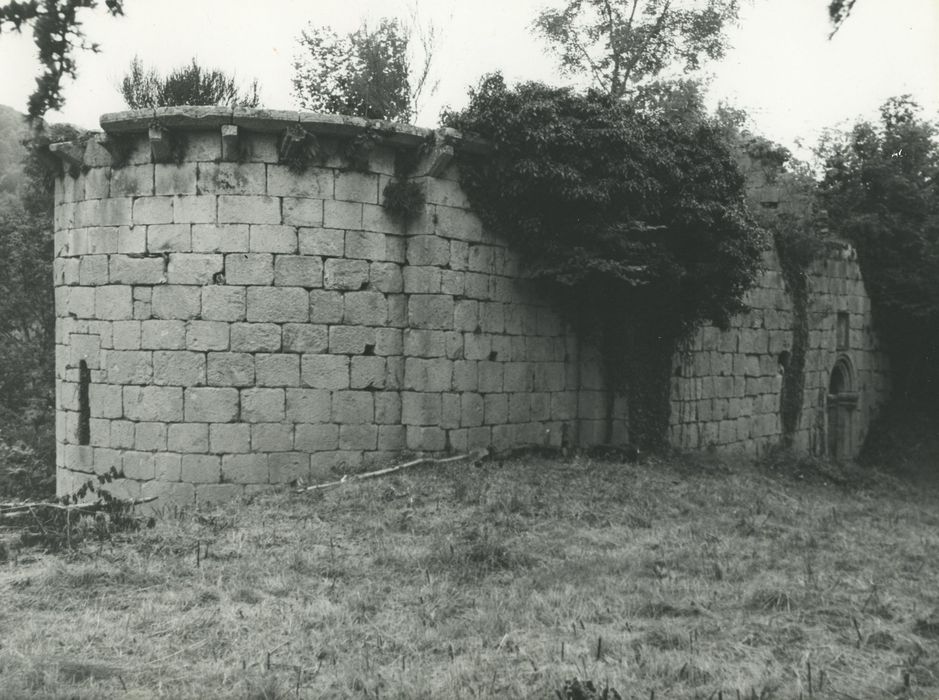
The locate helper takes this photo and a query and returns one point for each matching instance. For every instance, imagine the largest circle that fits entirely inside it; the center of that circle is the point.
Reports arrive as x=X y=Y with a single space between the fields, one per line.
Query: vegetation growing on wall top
x=638 y=218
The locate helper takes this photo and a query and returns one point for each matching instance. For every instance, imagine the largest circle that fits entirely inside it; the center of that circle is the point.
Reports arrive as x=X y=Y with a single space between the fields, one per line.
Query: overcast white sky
x=782 y=69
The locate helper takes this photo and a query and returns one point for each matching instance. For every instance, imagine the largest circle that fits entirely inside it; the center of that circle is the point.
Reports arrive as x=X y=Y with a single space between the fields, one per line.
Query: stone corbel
x=160 y=144
x=230 y=149
x=71 y=153
x=292 y=142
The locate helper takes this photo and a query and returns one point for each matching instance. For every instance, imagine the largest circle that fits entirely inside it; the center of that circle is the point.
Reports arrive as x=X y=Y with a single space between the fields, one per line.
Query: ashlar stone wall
x=226 y=323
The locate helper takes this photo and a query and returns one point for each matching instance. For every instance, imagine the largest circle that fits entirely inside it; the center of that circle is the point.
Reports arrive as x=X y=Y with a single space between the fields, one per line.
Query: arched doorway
x=842 y=400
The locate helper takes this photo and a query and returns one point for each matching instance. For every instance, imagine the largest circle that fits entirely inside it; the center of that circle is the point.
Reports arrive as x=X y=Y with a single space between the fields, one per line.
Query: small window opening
x=369 y=349
x=783 y=361
x=84 y=404
x=493 y=355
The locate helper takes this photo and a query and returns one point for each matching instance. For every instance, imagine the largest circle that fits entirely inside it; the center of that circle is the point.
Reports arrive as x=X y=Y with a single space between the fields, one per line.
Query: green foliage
x=404 y=199
x=637 y=219
x=363 y=74
x=881 y=191
x=618 y=42
x=838 y=11
x=189 y=85
x=57 y=34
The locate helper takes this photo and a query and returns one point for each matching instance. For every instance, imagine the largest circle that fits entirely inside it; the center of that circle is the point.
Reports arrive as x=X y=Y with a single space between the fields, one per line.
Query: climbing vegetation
x=635 y=218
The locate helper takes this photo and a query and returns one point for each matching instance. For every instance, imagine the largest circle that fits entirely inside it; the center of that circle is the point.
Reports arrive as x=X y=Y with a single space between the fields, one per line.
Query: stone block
x=194 y=209
x=131 y=239
x=230 y=437
x=166 y=467
x=249 y=268
x=153 y=210
x=428 y=375
x=423 y=343
x=303 y=212
x=104 y=401
x=79 y=301
x=222 y=238
x=245 y=468
x=358 y=437
x=495 y=409
x=138 y=465
x=428 y=250
x=353 y=186
x=150 y=436
x=262 y=405
x=223 y=303
x=278 y=304
x=519 y=407
x=186 y=268
x=272 y=239
x=153 y=403
x=460 y=224
x=176 y=301
x=344 y=215
x=248 y=209
x=232 y=178
x=298 y=271
x=426 y=438
x=308 y=405
x=163 y=335
x=421 y=280
x=430 y=311
x=392 y=438
x=367 y=373
x=477 y=286
x=378 y=218
x=132 y=180
x=386 y=277
x=325 y=307
x=124 y=269
x=207 y=335
x=324 y=371
x=317 y=437
x=351 y=340
x=303 y=337
x=178 y=368
x=255 y=337
x=452 y=282
x=277 y=370
x=321 y=241
x=353 y=407
x=174 y=238
x=114 y=302
x=450 y=411
x=387 y=407
x=230 y=369
x=129 y=367
x=170 y=178
x=288 y=467
x=365 y=245
x=122 y=434
x=93 y=270
x=313 y=182
x=345 y=274
x=465 y=376
x=365 y=308
x=272 y=437
x=188 y=437
x=201 y=469
x=491 y=376
x=477 y=346
x=472 y=410
x=420 y=408
x=209 y=404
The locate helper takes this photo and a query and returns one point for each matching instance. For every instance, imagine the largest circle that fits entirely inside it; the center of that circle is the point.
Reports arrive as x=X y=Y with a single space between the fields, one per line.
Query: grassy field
x=666 y=579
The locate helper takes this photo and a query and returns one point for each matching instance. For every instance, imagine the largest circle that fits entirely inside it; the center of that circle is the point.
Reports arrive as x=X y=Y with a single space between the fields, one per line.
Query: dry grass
x=499 y=581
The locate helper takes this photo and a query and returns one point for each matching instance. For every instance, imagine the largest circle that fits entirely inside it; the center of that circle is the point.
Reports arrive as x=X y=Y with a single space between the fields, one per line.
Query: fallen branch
x=389 y=470
x=15 y=509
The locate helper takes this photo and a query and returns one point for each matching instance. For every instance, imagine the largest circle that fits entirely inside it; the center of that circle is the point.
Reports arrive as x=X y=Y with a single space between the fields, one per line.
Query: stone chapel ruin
x=227 y=322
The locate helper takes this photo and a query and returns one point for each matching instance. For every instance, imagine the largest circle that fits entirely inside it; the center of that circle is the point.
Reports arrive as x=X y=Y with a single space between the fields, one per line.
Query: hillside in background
x=13 y=130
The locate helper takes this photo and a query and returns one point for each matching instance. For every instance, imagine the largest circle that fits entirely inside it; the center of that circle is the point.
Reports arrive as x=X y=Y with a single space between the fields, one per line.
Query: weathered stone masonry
x=226 y=323
x=243 y=324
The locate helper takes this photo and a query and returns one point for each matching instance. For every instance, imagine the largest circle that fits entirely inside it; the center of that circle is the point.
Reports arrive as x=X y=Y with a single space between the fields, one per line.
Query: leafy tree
x=838 y=11
x=366 y=73
x=881 y=192
x=635 y=218
x=189 y=85
x=623 y=42
x=57 y=33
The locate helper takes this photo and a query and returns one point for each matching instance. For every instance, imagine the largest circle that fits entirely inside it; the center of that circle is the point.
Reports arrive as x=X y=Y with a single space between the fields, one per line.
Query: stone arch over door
x=841 y=407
